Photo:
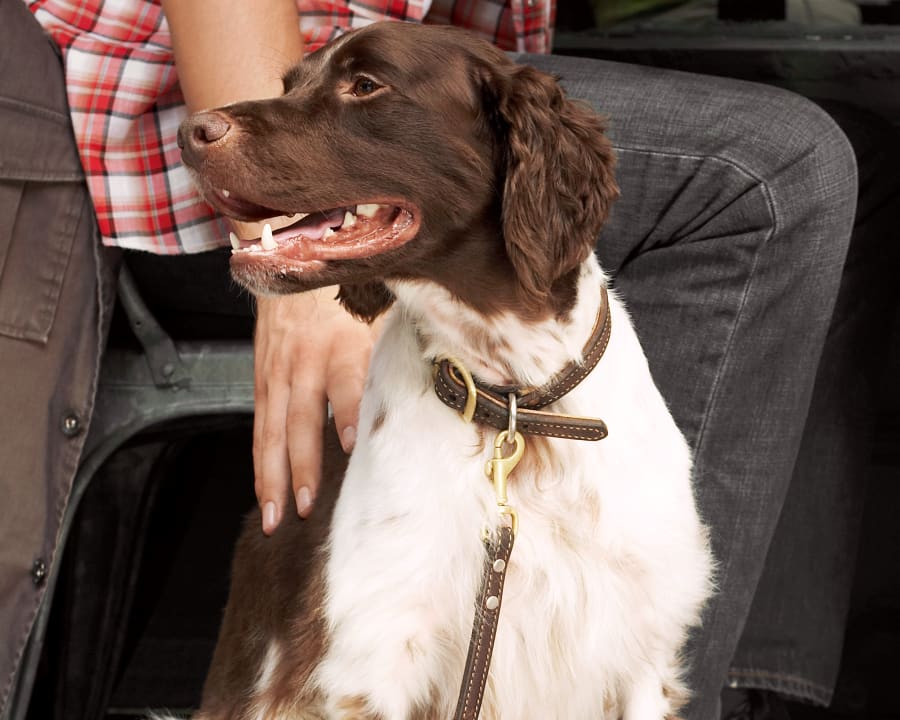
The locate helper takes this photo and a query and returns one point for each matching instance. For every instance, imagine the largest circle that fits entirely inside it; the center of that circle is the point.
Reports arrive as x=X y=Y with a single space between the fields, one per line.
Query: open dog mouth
x=340 y=233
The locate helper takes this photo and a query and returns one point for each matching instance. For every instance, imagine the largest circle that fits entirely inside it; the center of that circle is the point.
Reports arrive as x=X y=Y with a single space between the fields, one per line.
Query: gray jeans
x=728 y=244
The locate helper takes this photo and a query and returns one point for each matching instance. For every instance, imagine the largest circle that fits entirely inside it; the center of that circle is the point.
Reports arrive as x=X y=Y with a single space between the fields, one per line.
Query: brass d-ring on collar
x=492 y=406
x=468 y=411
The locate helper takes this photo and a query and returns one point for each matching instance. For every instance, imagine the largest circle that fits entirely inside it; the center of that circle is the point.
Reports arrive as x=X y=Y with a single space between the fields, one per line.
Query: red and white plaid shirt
x=126 y=104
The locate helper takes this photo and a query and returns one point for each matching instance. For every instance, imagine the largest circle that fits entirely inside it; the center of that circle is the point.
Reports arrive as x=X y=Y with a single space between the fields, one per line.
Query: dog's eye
x=364 y=86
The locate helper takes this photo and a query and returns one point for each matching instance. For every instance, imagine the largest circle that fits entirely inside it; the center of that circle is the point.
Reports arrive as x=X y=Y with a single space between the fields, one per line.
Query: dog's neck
x=504 y=348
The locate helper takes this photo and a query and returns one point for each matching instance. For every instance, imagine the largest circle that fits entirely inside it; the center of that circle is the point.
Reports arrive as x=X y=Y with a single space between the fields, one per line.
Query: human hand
x=308 y=350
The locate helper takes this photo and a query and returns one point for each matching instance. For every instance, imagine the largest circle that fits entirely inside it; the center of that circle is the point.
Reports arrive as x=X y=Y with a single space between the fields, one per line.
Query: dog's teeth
x=225 y=193
x=367 y=210
x=349 y=219
x=267 y=240
x=235 y=243
x=329 y=233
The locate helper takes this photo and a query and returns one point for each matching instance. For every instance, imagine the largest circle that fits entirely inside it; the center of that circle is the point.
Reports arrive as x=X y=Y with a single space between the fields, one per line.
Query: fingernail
x=348 y=438
x=270 y=517
x=304 y=501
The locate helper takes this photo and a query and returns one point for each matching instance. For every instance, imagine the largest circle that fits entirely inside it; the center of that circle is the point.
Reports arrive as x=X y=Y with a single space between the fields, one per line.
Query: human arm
x=307 y=349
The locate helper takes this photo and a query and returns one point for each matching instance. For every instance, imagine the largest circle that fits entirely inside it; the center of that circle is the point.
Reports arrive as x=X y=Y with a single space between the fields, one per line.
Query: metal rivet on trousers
x=168 y=369
x=71 y=425
x=492 y=603
x=39 y=572
x=499 y=565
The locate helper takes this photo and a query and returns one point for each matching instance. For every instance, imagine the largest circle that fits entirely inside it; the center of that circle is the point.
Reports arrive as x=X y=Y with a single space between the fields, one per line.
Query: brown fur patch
x=677 y=696
x=429 y=710
x=356 y=708
x=306 y=643
x=611 y=706
x=378 y=421
x=277 y=594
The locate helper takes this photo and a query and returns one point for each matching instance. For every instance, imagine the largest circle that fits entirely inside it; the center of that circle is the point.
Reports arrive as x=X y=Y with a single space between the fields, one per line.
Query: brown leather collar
x=492 y=404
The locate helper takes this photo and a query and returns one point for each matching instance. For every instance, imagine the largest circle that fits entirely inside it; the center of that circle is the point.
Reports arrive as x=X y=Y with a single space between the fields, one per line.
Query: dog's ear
x=557 y=165
x=366 y=301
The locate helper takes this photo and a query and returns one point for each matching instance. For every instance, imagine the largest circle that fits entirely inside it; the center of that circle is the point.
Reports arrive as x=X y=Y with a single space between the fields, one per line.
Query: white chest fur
x=610 y=565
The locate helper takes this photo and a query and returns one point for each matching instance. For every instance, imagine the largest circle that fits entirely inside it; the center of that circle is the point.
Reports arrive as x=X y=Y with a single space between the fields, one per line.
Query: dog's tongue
x=313 y=226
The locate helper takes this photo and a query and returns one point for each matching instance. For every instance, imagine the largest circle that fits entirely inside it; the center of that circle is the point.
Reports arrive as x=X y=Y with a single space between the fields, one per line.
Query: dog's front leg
x=398 y=679
x=399 y=608
x=654 y=695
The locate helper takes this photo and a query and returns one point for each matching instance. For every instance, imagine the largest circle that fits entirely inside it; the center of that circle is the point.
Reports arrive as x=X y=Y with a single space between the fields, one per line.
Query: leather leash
x=487 y=613
x=512 y=412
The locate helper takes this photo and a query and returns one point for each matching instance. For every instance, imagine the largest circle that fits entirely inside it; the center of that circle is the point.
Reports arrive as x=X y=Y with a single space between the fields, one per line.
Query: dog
x=460 y=194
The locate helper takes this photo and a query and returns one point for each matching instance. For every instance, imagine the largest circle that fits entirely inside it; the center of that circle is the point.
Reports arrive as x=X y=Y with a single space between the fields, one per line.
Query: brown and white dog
x=465 y=193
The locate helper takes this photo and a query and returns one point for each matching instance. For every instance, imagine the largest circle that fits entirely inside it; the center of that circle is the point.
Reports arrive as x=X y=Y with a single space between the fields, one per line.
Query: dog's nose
x=199 y=132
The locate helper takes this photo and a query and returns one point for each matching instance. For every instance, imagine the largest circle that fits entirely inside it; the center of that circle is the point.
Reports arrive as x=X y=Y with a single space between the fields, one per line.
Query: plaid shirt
x=126 y=104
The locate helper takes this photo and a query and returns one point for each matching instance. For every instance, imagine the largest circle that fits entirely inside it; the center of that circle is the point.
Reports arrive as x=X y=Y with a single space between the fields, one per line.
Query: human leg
x=793 y=640
x=728 y=244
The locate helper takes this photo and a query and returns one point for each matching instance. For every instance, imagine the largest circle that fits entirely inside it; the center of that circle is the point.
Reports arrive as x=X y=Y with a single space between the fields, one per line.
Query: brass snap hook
x=499 y=468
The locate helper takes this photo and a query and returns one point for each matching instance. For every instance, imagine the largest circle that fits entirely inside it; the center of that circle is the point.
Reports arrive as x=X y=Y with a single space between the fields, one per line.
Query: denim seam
x=794 y=685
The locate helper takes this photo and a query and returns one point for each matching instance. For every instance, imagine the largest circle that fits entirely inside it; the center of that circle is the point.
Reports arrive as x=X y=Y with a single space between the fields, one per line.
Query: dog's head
x=411 y=152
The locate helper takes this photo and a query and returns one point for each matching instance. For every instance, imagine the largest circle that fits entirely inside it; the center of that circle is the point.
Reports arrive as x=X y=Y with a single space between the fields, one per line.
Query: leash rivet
x=499 y=565
x=492 y=603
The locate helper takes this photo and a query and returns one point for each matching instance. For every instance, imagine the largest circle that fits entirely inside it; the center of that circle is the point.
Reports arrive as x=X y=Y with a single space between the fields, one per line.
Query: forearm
x=231 y=50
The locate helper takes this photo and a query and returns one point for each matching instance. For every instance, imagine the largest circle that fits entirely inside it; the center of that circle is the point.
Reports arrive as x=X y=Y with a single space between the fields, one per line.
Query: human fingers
x=305 y=421
x=346 y=380
x=270 y=451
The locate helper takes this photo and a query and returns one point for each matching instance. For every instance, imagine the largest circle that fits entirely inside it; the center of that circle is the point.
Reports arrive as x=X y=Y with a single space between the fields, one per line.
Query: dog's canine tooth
x=329 y=233
x=349 y=219
x=235 y=243
x=225 y=193
x=367 y=209
x=267 y=240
